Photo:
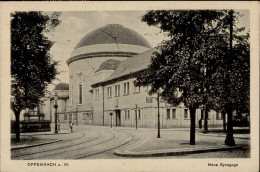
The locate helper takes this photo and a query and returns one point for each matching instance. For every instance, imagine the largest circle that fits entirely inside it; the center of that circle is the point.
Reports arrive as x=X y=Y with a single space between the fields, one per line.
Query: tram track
x=107 y=148
x=80 y=148
x=34 y=152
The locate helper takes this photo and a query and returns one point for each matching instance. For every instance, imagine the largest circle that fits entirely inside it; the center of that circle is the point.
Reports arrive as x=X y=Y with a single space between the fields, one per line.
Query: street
x=98 y=142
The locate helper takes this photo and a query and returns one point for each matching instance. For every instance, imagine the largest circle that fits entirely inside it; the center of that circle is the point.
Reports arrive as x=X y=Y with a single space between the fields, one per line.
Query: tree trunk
x=230 y=139
x=224 y=121
x=206 y=120
x=17 y=126
x=192 y=125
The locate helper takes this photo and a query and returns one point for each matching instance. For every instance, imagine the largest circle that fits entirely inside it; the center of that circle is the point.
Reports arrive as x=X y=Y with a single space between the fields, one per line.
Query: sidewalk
x=152 y=147
x=238 y=133
x=175 y=142
x=36 y=139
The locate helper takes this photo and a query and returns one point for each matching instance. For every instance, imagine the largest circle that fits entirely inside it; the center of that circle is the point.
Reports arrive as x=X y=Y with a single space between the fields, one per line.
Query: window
x=127 y=115
x=136 y=89
x=71 y=98
x=173 y=113
x=168 y=113
x=74 y=116
x=139 y=114
x=65 y=117
x=126 y=88
x=117 y=90
x=80 y=93
x=219 y=116
x=84 y=117
x=186 y=114
x=109 y=92
x=97 y=93
x=89 y=114
x=70 y=117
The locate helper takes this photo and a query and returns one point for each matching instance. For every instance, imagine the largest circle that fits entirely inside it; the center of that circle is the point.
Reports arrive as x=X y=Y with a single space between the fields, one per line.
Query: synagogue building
x=102 y=71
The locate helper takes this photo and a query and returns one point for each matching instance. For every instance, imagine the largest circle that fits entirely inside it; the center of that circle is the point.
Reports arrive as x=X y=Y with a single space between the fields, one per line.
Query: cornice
x=100 y=54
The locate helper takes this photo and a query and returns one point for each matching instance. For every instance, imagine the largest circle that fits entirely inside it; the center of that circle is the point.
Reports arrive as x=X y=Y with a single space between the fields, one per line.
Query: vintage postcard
x=129 y=86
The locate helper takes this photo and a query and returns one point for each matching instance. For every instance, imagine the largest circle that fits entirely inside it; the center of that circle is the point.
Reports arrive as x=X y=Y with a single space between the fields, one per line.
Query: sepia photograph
x=116 y=85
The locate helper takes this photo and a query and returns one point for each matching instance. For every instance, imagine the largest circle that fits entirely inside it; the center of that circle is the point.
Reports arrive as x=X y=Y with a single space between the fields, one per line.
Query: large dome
x=112 y=40
x=113 y=33
x=62 y=86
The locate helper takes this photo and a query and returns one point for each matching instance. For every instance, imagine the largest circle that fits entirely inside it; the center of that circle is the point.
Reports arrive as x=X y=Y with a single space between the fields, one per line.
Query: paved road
x=84 y=142
x=97 y=142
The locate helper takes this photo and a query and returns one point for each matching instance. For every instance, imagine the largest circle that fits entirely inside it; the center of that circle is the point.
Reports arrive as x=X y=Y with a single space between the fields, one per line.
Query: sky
x=75 y=25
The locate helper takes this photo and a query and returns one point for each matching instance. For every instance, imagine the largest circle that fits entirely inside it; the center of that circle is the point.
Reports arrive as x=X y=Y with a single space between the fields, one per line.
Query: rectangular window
x=136 y=89
x=168 y=113
x=127 y=115
x=185 y=113
x=139 y=114
x=90 y=116
x=65 y=117
x=173 y=113
x=126 y=88
x=84 y=117
x=219 y=116
x=109 y=92
x=70 y=117
x=71 y=97
x=117 y=90
x=80 y=93
x=97 y=93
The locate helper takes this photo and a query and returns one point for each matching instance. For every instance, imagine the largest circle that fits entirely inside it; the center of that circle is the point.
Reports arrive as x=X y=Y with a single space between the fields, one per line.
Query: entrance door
x=118 y=118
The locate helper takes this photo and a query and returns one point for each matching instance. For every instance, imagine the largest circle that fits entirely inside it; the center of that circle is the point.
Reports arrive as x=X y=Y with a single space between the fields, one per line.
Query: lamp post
x=158 y=107
x=111 y=114
x=136 y=116
x=76 y=116
x=56 y=107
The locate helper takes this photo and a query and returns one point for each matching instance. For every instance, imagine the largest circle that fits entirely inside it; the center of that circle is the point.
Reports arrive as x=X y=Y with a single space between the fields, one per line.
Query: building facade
x=102 y=69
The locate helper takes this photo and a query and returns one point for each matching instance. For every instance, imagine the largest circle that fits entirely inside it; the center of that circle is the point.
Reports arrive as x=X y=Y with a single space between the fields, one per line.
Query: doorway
x=118 y=118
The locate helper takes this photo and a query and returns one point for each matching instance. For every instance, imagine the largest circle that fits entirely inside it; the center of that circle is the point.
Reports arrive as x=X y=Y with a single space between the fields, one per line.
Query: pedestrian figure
x=71 y=126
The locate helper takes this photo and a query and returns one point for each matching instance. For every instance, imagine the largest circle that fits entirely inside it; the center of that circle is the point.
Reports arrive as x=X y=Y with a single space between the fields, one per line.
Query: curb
x=40 y=144
x=174 y=152
x=214 y=135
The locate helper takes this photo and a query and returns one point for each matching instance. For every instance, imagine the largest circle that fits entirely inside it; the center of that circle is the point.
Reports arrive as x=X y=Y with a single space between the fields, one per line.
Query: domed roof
x=110 y=64
x=113 y=33
x=62 y=86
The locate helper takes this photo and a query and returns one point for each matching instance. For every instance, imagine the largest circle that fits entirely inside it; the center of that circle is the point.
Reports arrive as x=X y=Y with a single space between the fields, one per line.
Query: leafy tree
x=32 y=67
x=232 y=79
x=189 y=61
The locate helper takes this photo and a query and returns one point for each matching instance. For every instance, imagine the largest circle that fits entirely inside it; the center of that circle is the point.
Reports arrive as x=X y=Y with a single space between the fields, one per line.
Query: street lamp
x=56 y=107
